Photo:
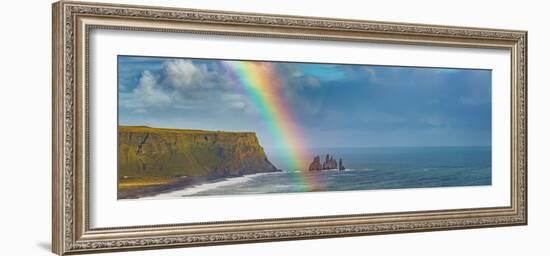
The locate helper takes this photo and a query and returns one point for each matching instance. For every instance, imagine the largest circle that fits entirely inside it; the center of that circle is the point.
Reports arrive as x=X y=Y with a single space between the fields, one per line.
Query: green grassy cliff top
x=122 y=128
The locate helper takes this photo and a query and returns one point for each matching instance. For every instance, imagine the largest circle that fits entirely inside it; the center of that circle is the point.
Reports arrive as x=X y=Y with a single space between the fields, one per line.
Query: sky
x=329 y=105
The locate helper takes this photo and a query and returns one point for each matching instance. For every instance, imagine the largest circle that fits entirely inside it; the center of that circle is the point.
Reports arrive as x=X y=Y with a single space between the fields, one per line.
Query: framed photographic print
x=179 y=127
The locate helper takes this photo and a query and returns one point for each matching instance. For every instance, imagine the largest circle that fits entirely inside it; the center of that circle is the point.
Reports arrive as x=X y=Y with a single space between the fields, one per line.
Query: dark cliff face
x=153 y=152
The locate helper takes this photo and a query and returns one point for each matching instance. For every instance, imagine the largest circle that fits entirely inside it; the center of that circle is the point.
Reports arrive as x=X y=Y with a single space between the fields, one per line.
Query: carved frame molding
x=72 y=23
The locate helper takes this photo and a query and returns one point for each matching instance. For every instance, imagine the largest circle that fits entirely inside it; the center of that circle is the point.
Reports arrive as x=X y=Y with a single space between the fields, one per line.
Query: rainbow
x=261 y=82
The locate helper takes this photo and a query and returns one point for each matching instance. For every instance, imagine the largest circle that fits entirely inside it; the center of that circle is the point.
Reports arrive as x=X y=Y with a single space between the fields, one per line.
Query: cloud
x=146 y=93
x=149 y=92
x=233 y=100
x=183 y=74
x=184 y=84
x=237 y=105
x=294 y=79
x=345 y=105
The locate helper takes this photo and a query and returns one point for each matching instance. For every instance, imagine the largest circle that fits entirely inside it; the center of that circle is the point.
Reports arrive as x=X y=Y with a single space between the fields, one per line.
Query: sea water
x=366 y=168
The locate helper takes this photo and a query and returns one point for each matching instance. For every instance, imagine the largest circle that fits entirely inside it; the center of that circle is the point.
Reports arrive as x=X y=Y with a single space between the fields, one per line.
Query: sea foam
x=207 y=186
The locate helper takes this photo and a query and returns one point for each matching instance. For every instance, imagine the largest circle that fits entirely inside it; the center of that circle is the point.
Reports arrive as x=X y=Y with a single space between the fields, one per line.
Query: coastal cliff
x=145 y=152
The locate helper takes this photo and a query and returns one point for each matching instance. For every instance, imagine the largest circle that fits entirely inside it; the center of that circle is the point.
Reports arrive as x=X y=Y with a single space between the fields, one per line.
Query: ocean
x=366 y=169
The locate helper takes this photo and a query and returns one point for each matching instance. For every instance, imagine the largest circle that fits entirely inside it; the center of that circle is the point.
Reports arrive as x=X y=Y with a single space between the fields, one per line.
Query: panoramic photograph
x=215 y=127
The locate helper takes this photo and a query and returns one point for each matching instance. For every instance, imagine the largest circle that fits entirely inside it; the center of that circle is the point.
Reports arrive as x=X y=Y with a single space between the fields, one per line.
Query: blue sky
x=334 y=105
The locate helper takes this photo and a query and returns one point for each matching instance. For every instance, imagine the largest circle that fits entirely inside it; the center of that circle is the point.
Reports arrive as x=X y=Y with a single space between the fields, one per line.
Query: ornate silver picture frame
x=73 y=23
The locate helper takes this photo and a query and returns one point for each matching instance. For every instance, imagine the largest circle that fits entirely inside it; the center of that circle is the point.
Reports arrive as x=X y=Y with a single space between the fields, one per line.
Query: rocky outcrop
x=153 y=152
x=316 y=164
x=329 y=163
x=341 y=165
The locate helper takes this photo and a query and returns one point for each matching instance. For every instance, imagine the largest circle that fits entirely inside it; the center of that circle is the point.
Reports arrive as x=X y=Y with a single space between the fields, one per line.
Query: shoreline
x=179 y=184
x=190 y=186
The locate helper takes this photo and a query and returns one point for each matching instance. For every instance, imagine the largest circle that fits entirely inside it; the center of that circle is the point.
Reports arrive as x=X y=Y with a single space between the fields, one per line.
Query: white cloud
x=182 y=74
x=237 y=105
x=233 y=100
x=149 y=92
x=180 y=84
x=193 y=85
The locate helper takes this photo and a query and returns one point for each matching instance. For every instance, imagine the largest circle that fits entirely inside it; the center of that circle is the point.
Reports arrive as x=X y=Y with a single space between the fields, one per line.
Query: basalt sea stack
x=329 y=164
